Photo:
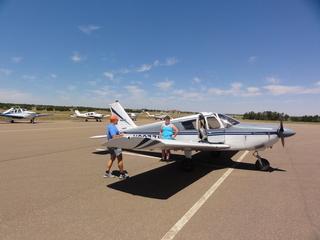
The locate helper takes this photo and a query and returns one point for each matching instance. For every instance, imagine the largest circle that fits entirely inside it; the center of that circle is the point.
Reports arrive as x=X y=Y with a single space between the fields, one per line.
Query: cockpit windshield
x=227 y=121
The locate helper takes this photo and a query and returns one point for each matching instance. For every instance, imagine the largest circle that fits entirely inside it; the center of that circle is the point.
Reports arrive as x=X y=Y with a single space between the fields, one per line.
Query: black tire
x=215 y=154
x=187 y=165
x=265 y=164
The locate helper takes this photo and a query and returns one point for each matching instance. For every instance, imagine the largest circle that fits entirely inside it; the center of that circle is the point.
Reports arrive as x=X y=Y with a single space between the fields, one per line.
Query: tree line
x=274 y=116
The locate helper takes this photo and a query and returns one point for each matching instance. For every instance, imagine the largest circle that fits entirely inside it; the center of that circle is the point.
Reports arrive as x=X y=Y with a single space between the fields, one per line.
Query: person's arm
x=115 y=133
x=160 y=132
x=176 y=131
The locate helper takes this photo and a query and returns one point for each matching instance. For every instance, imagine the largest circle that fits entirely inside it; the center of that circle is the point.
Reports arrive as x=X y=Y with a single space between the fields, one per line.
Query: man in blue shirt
x=115 y=152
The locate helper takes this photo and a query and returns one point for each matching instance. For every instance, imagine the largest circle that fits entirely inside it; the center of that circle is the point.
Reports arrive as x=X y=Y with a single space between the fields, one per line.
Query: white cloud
x=5 y=71
x=53 y=75
x=144 y=68
x=169 y=62
x=9 y=95
x=197 y=80
x=135 y=91
x=94 y=83
x=88 y=28
x=32 y=78
x=77 y=58
x=16 y=59
x=109 y=75
x=164 y=85
x=252 y=59
x=280 y=90
x=272 y=80
x=72 y=87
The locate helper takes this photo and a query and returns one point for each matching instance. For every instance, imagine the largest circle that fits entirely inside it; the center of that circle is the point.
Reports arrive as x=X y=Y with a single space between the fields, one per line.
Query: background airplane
x=158 y=116
x=133 y=116
x=205 y=131
x=89 y=115
x=21 y=113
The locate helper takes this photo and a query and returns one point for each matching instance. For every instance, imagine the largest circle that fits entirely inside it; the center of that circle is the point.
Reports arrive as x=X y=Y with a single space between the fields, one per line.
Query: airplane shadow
x=166 y=181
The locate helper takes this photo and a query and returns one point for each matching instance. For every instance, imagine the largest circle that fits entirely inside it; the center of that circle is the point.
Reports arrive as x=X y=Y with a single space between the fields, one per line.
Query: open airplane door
x=210 y=129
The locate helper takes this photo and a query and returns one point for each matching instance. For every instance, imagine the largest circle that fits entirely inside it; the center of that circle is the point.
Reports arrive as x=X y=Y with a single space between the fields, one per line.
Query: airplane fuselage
x=220 y=129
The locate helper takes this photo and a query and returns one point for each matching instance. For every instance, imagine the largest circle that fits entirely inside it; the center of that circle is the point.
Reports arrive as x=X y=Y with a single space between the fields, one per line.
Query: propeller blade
x=280 y=133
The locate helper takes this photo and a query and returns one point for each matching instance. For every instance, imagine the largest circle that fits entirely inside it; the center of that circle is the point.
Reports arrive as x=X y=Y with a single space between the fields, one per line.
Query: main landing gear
x=262 y=163
x=187 y=164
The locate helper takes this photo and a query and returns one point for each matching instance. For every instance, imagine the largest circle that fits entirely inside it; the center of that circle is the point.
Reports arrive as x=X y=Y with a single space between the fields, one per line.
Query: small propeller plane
x=205 y=131
x=21 y=113
x=89 y=115
x=158 y=116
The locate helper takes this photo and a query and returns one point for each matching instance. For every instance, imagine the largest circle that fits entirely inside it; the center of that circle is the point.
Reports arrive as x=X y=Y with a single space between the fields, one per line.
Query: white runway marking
x=177 y=227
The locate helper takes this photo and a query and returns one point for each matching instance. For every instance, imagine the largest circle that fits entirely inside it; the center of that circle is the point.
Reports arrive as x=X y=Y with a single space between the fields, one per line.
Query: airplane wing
x=148 y=143
x=42 y=115
x=11 y=116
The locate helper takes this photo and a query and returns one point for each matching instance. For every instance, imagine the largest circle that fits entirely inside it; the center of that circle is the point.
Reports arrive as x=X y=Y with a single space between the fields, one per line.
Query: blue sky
x=222 y=56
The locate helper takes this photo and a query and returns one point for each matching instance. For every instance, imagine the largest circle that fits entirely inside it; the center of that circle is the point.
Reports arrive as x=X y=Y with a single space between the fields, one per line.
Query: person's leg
x=168 y=155
x=120 y=163
x=110 y=162
x=164 y=157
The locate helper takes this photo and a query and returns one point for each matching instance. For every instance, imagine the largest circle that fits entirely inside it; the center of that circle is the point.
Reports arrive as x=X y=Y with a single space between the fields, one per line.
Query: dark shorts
x=115 y=151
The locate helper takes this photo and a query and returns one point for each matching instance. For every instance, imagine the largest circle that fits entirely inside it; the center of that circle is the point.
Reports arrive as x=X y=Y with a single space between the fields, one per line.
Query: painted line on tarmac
x=179 y=225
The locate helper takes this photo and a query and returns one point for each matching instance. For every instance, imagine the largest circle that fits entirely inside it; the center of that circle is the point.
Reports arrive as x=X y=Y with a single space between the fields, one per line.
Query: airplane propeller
x=280 y=133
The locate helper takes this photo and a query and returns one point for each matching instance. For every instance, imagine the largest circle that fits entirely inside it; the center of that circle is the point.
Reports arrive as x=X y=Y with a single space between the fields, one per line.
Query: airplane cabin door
x=210 y=130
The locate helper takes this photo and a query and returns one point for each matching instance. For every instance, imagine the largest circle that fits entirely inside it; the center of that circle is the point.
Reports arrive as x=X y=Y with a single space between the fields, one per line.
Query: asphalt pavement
x=52 y=188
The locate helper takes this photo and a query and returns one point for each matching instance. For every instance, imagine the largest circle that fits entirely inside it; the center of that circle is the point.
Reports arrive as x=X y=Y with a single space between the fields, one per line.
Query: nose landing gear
x=262 y=163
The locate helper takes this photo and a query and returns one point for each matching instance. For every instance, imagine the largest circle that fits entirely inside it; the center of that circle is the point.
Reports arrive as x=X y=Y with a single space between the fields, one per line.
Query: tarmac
x=52 y=188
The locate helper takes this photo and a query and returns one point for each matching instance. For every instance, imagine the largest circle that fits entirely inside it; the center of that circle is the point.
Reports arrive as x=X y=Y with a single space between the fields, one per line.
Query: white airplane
x=205 y=131
x=158 y=116
x=133 y=116
x=89 y=115
x=21 y=113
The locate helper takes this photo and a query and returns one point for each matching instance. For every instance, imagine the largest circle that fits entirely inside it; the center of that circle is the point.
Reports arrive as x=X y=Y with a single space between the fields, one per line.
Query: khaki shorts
x=115 y=151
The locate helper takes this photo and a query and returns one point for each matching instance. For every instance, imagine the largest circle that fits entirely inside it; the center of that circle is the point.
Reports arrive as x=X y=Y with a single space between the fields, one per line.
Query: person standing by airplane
x=166 y=132
x=115 y=152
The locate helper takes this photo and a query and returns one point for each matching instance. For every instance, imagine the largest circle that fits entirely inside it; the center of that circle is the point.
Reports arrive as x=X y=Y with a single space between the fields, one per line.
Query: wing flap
x=148 y=143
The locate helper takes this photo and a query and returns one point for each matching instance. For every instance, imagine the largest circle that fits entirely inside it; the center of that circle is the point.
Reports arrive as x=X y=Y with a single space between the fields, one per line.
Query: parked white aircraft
x=205 y=131
x=89 y=115
x=21 y=113
x=158 y=116
x=133 y=116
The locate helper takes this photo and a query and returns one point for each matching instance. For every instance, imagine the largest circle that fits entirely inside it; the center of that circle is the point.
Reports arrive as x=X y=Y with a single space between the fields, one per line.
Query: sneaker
x=108 y=175
x=124 y=175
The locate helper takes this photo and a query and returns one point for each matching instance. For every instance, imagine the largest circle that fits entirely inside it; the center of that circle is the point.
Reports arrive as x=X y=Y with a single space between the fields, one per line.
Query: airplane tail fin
x=77 y=112
x=125 y=121
x=148 y=114
x=8 y=111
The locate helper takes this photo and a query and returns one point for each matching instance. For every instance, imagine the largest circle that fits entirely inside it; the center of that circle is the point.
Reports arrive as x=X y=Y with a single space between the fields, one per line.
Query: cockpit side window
x=213 y=123
x=189 y=124
x=227 y=121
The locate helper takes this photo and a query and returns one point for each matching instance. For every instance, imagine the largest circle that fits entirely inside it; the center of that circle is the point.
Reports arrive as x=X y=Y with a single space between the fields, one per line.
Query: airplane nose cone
x=288 y=132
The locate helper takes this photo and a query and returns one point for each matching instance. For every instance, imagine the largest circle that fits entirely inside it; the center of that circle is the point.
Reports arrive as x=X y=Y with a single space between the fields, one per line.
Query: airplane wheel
x=215 y=154
x=265 y=164
x=187 y=165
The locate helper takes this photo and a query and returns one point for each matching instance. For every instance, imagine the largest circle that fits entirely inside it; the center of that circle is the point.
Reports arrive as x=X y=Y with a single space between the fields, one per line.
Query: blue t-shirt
x=167 y=131
x=111 y=131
